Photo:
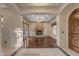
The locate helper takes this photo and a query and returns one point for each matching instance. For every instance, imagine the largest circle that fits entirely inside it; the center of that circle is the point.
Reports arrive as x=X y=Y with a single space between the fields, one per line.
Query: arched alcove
x=74 y=30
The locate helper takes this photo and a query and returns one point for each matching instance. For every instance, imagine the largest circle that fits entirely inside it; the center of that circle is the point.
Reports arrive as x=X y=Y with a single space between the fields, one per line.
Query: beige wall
x=12 y=30
x=57 y=36
x=63 y=18
x=0 y=33
x=25 y=20
x=51 y=30
x=0 y=30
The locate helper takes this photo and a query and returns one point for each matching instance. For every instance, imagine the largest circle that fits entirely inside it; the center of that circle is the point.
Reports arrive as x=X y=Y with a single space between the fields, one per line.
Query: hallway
x=39 y=29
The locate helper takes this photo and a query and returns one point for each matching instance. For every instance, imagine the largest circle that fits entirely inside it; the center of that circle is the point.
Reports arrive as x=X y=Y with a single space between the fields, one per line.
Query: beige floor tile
x=40 y=52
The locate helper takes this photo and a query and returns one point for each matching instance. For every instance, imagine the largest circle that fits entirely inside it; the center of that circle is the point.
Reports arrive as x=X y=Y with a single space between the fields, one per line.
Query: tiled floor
x=40 y=52
x=70 y=52
x=7 y=51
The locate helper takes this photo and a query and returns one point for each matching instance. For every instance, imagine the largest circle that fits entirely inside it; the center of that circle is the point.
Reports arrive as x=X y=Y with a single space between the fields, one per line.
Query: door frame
x=73 y=13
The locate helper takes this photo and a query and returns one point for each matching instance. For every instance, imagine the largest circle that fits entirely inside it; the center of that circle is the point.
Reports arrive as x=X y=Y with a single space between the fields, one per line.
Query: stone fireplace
x=39 y=29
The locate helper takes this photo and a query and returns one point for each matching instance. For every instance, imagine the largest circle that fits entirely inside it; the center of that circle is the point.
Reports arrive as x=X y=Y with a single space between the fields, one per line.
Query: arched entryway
x=74 y=30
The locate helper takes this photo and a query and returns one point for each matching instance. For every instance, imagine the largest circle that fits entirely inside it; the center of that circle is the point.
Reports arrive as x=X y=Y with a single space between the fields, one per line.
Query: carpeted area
x=41 y=42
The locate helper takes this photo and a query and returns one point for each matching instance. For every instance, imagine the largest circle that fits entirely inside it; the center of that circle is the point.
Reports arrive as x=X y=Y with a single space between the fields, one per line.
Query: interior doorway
x=74 y=30
x=25 y=34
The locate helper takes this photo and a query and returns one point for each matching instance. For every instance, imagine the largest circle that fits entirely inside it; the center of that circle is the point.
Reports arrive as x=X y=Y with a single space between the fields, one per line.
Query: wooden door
x=74 y=30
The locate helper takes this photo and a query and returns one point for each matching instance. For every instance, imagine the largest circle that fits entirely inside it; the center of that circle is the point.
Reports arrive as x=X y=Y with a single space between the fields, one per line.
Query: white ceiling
x=39 y=7
x=34 y=11
x=33 y=5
